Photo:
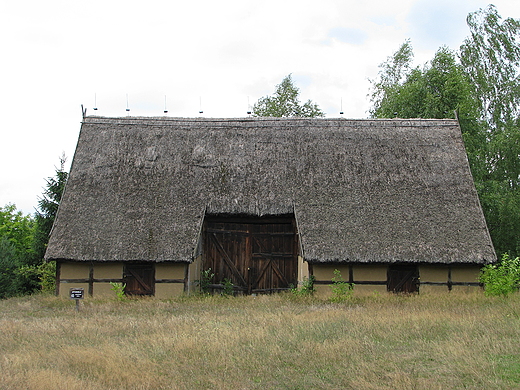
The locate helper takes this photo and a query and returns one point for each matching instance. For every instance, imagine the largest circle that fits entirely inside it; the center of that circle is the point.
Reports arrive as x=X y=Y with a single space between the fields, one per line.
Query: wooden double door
x=257 y=255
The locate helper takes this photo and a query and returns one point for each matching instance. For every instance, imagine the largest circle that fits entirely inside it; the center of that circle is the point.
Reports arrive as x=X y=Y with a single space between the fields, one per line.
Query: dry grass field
x=451 y=341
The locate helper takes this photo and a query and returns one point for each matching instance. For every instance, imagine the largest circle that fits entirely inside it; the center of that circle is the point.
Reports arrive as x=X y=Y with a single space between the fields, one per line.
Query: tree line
x=23 y=241
x=479 y=84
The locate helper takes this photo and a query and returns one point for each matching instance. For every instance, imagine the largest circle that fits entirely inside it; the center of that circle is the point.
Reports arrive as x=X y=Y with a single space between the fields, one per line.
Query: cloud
x=354 y=36
x=442 y=22
x=384 y=20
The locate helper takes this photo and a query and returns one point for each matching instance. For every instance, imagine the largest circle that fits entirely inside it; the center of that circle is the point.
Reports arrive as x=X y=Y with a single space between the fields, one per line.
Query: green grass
x=450 y=341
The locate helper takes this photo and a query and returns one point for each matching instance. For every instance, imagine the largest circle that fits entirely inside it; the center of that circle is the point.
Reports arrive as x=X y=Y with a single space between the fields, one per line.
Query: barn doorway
x=256 y=254
x=139 y=279
x=403 y=279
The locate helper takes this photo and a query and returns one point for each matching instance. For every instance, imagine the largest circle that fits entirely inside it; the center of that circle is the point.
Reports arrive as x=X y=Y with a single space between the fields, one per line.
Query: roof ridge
x=155 y=120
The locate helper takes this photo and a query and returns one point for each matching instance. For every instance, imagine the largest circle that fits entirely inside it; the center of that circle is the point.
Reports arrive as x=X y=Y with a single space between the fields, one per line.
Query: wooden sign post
x=77 y=293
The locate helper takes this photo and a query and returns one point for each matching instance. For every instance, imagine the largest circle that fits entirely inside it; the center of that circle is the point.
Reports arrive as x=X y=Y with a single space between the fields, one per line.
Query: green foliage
x=392 y=74
x=47 y=275
x=491 y=59
x=306 y=288
x=37 y=277
x=436 y=91
x=285 y=103
x=9 y=263
x=47 y=209
x=227 y=287
x=501 y=206
x=29 y=276
x=341 y=290
x=16 y=236
x=119 y=289
x=502 y=278
x=18 y=229
x=23 y=240
x=206 y=277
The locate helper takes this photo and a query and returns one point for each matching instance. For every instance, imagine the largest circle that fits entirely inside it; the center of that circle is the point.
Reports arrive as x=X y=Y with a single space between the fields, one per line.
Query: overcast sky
x=57 y=55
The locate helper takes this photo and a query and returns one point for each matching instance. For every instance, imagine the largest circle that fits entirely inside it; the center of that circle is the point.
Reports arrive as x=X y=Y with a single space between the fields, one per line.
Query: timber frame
x=447 y=276
x=92 y=283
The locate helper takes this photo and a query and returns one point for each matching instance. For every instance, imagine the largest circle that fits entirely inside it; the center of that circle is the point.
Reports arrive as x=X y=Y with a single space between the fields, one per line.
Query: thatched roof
x=362 y=190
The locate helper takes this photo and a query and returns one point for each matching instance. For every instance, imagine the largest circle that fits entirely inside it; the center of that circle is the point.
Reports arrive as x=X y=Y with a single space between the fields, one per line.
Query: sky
x=216 y=56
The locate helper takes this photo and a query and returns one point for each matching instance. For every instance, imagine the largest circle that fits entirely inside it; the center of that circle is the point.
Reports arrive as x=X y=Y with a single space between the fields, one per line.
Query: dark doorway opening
x=403 y=279
x=139 y=279
x=256 y=254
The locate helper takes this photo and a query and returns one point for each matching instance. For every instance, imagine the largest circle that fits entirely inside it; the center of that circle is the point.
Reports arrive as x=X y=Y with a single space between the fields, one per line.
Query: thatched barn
x=266 y=202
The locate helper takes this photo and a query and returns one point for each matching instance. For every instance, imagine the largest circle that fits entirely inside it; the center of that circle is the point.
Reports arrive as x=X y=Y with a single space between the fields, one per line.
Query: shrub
x=341 y=290
x=48 y=276
x=306 y=288
x=502 y=278
x=205 y=281
x=119 y=289
x=227 y=287
x=36 y=277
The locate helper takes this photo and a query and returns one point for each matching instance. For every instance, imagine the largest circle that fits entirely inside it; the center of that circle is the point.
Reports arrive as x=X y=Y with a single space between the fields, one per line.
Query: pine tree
x=48 y=208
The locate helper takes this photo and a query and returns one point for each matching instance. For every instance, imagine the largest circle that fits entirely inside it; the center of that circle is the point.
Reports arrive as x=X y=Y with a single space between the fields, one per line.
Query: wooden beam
x=74 y=280
x=91 y=279
x=169 y=280
x=378 y=282
x=58 y=276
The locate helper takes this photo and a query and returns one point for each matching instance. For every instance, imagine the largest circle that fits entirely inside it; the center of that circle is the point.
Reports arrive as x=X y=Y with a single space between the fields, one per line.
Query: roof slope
x=362 y=190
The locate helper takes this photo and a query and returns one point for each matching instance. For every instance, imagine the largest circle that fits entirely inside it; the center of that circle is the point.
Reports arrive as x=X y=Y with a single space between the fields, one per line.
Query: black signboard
x=76 y=293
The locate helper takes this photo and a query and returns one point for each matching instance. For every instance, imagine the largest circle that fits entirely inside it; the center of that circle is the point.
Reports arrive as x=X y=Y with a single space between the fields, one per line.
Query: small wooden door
x=258 y=255
x=403 y=278
x=139 y=279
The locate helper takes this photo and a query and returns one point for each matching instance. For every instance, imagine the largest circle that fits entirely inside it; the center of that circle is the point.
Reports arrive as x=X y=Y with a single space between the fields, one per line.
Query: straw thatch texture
x=362 y=190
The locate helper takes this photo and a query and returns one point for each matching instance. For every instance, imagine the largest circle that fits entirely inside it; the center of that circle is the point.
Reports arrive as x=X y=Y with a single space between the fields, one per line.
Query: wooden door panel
x=139 y=279
x=403 y=278
x=274 y=246
x=229 y=259
x=255 y=256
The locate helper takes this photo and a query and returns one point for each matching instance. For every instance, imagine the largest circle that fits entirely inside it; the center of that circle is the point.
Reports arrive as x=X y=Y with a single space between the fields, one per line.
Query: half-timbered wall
x=168 y=279
x=377 y=277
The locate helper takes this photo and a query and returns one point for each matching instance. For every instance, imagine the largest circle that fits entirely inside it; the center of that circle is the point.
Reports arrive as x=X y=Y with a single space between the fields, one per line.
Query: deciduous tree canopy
x=23 y=240
x=16 y=238
x=285 y=103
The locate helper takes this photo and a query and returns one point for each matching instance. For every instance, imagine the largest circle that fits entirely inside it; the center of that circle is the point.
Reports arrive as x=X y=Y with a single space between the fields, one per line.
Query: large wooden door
x=139 y=279
x=403 y=278
x=256 y=254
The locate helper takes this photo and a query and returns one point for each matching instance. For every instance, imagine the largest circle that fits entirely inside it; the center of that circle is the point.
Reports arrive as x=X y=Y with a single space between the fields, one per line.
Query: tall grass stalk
x=266 y=342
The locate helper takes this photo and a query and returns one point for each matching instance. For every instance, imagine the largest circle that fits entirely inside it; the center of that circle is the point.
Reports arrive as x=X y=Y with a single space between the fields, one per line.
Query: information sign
x=76 y=293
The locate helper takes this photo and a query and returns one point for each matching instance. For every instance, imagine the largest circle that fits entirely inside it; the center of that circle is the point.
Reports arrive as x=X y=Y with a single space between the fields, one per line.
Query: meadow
x=378 y=341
